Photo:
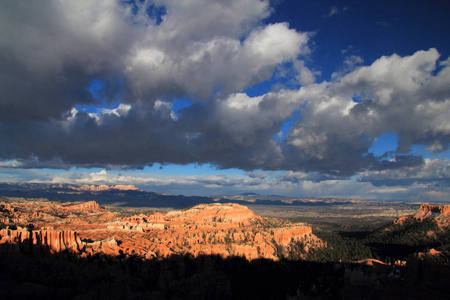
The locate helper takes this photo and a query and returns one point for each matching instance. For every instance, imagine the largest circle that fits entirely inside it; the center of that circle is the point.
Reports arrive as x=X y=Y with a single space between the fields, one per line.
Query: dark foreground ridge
x=65 y=275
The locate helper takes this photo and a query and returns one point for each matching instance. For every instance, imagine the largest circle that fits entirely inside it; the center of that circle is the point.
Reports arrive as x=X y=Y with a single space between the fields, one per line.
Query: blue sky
x=297 y=98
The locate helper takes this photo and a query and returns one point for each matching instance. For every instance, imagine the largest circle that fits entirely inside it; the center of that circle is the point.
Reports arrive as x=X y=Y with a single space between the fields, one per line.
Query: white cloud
x=121 y=110
x=305 y=75
x=207 y=52
x=197 y=68
x=11 y=164
x=397 y=94
x=404 y=74
x=334 y=10
x=275 y=43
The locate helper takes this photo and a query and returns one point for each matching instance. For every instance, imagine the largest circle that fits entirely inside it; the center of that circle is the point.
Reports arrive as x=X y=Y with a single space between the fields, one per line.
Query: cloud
x=188 y=185
x=405 y=97
x=305 y=75
x=274 y=183
x=394 y=94
x=50 y=54
x=51 y=51
x=332 y=136
x=432 y=171
x=199 y=68
x=334 y=10
x=260 y=175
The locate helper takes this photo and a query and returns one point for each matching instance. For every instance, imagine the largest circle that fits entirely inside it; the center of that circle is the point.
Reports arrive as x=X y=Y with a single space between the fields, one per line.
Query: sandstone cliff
x=33 y=241
x=103 y=187
x=86 y=228
x=429 y=210
x=90 y=206
x=441 y=213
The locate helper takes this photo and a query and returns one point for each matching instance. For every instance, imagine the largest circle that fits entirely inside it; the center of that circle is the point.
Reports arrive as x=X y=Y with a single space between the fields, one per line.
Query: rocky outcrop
x=429 y=210
x=86 y=228
x=103 y=187
x=108 y=247
x=206 y=214
x=57 y=240
x=90 y=206
x=50 y=239
x=441 y=213
x=284 y=236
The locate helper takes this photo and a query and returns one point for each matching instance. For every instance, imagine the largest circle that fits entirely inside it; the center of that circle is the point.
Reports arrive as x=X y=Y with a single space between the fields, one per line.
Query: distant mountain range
x=130 y=196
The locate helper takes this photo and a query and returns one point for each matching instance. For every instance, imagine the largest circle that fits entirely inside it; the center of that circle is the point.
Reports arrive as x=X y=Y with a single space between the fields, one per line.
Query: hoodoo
x=86 y=228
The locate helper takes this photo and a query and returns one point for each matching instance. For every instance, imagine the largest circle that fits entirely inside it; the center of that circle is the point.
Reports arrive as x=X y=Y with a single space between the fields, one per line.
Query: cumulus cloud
x=432 y=171
x=403 y=96
x=51 y=51
x=152 y=52
x=224 y=63
x=395 y=94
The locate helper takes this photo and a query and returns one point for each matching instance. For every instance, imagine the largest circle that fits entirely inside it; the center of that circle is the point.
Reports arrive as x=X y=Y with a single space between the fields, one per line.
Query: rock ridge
x=103 y=187
x=441 y=213
x=32 y=240
x=86 y=228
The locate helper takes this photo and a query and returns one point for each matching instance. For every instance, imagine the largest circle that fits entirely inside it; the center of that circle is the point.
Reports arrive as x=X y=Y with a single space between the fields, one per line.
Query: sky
x=300 y=98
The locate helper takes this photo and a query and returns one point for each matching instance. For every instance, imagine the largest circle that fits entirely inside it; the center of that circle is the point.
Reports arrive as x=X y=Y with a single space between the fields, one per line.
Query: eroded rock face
x=87 y=229
x=90 y=206
x=439 y=212
x=49 y=239
x=104 y=187
x=429 y=210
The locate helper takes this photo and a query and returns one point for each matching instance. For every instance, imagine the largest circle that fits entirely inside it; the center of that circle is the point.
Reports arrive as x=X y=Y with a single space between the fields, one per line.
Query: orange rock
x=56 y=240
x=371 y=262
x=90 y=206
x=53 y=240
x=103 y=187
x=441 y=213
x=435 y=252
x=124 y=187
x=284 y=236
x=86 y=228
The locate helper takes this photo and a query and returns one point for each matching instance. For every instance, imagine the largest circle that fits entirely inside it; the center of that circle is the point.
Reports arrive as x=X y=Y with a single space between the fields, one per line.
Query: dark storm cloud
x=431 y=172
x=50 y=53
x=48 y=56
x=391 y=161
x=298 y=177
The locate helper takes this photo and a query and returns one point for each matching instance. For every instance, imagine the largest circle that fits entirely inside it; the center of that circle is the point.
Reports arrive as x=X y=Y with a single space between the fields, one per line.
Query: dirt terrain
x=359 y=215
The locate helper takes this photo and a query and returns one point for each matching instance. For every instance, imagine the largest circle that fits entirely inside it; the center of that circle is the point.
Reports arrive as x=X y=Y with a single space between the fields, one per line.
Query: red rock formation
x=51 y=239
x=284 y=236
x=103 y=187
x=428 y=210
x=223 y=229
x=56 y=240
x=439 y=212
x=122 y=187
x=14 y=235
x=90 y=206
x=371 y=262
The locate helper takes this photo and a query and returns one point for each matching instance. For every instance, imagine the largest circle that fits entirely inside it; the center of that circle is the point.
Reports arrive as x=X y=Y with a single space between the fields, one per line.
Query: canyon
x=86 y=228
x=84 y=250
